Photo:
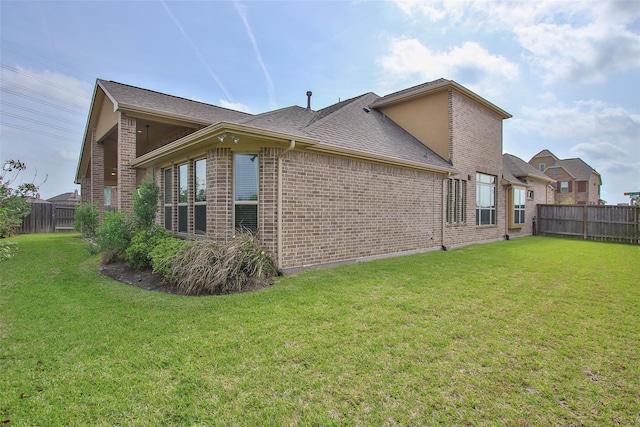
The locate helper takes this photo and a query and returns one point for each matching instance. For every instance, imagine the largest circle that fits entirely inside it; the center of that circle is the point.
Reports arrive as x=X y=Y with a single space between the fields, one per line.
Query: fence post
x=584 y=222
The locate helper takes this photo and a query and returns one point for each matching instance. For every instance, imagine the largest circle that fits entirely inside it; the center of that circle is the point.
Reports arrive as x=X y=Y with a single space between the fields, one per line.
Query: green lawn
x=532 y=331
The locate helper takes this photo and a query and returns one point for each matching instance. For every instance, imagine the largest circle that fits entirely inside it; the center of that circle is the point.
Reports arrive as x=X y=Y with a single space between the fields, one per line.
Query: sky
x=568 y=71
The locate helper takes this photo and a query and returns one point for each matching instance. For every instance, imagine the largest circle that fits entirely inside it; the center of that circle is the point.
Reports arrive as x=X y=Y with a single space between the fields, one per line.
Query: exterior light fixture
x=224 y=135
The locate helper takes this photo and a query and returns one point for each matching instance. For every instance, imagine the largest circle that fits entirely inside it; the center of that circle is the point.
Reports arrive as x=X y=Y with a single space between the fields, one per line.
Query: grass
x=532 y=331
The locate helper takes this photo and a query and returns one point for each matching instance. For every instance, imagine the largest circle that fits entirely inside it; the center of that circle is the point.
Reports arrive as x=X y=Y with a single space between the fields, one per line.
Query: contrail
x=197 y=51
x=243 y=15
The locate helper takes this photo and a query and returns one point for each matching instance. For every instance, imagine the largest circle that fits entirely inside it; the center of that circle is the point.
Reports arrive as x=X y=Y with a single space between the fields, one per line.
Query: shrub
x=145 y=203
x=86 y=219
x=164 y=254
x=209 y=268
x=114 y=236
x=144 y=240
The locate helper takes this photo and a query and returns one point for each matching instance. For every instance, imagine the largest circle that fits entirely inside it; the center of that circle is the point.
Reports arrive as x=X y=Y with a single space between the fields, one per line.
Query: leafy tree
x=13 y=203
x=145 y=203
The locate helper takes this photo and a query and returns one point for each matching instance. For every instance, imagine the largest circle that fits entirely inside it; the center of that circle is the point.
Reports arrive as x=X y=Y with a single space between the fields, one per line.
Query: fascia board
x=329 y=149
x=449 y=84
x=86 y=127
x=210 y=132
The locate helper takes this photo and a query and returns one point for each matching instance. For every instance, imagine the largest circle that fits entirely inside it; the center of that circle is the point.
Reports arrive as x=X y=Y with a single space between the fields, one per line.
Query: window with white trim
x=517 y=206
x=183 y=207
x=485 y=199
x=456 y=200
x=245 y=191
x=564 y=186
x=168 y=198
x=200 y=196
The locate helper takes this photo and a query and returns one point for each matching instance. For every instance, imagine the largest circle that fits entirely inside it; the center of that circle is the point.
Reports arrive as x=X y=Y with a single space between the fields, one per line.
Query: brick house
x=576 y=182
x=526 y=187
x=417 y=170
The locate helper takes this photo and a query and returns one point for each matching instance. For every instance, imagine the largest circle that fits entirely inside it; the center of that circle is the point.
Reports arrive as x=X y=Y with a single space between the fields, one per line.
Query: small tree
x=86 y=219
x=145 y=203
x=13 y=203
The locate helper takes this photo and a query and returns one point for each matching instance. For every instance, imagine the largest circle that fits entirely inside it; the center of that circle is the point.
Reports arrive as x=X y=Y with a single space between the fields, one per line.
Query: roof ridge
x=174 y=96
x=329 y=111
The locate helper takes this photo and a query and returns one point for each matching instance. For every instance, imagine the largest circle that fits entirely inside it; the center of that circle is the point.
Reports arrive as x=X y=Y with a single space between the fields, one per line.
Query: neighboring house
x=66 y=199
x=526 y=187
x=370 y=176
x=576 y=182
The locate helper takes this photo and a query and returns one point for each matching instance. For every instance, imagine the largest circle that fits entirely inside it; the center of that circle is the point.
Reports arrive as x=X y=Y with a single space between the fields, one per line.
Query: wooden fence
x=592 y=222
x=48 y=218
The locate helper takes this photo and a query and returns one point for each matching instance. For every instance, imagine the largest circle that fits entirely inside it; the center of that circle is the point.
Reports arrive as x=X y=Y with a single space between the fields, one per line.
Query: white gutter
x=292 y=145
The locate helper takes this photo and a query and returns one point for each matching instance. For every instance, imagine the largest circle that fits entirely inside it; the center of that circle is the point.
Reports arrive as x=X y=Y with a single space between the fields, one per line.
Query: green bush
x=145 y=203
x=164 y=254
x=144 y=240
x=86 y=219
x=114 y=236
x=208 y=268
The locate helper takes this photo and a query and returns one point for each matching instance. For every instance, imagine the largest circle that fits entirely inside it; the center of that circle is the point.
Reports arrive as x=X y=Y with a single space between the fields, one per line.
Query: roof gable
x=128 y=97
x=519 y=169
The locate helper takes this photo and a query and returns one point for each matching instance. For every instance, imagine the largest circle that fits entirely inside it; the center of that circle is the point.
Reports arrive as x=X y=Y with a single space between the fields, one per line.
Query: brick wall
x=339 y=209
x=97 y=173
x=127 y=176
x=539 y=189
x=476 y=146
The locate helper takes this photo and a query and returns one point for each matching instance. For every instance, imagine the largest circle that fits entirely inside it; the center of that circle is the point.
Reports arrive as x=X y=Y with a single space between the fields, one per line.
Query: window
x=200 y=196
x=542 y=167
x=182 y=198
x=564 y=186
x=530 y=194
x=517 y=206
x=554 y=171
x=245 y=191
x=582 y=186
x=107 y=196
x=168 y=198
x=485 y=199
x=456 y=200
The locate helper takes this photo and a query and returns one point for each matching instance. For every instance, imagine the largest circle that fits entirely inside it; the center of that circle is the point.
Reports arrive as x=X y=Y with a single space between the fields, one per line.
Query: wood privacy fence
x=592 y=222
x=48 y=218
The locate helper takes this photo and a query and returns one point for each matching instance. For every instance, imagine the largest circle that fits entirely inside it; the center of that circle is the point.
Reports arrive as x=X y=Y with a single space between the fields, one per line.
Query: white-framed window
x=245 y=191
x=167 y=197
x=485 y=199
x=542 y=167
x=517 y=206
x=456 y=200
x=183 y=197
x=564 y=186
x=200 y=196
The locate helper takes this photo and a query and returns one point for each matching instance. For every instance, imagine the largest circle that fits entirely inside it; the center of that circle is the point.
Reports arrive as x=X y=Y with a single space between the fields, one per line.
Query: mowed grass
x=532 y=331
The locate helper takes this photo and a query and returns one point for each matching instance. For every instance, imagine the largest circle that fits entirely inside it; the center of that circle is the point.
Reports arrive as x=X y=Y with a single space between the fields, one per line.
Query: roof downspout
x=292 y=145
x=507 y=211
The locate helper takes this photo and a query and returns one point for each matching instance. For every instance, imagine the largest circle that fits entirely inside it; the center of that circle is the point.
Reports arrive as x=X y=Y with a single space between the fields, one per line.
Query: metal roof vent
x=309 y=93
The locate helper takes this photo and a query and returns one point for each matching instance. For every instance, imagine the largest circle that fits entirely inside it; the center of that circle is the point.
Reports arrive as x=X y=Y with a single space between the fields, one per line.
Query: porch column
x=126 y=154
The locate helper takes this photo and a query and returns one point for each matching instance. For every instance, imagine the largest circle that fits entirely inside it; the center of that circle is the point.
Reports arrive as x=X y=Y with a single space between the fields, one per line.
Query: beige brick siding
x=339 y=209
x=127 y=176
x=539 y=189
x=97 y=173
x=476 y=146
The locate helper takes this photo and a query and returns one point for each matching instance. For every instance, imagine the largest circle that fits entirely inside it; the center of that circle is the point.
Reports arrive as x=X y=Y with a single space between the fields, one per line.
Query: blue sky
x=568 y=72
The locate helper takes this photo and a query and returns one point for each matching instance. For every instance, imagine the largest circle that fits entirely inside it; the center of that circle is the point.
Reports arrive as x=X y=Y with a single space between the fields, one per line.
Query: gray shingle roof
x=577 y=168
x=135 y=97
x=515 y=169
x=416 y=88
x=348 y=126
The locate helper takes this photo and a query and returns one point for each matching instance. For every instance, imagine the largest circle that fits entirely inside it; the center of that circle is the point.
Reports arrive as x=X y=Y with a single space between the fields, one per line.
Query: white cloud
x=564 y=41
x=470 y=64
x=234 y=106
x=579 y=55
